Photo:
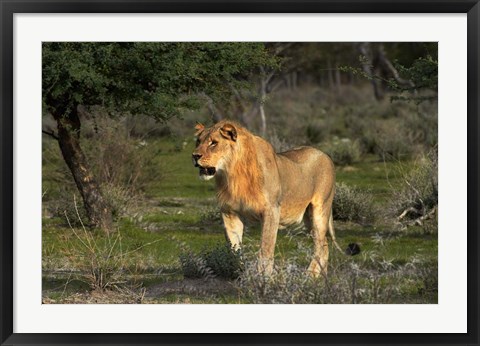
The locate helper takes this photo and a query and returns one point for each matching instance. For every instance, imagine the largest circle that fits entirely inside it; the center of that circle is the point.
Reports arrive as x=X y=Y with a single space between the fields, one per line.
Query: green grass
x=374 y=176
x=180 y=177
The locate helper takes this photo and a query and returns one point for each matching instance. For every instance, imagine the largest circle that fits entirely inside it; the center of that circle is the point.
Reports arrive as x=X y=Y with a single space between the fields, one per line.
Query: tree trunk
x=387 y=69
x=330 y=75
x=98 y=211
x=265 y=79
x=338 y=79
x=369 y=69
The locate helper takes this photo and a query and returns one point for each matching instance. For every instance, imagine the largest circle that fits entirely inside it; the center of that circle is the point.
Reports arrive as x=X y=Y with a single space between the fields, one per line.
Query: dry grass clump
x=369 y=280
x=417 y=200
x=353 y=204
x=96 y=258
x=121 y=163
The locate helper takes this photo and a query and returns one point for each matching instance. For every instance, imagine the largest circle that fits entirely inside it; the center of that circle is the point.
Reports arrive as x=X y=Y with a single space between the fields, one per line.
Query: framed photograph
x=239 y=172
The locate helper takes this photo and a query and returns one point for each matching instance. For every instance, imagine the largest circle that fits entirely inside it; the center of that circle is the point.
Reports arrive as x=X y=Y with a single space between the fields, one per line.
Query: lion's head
x=214 y=147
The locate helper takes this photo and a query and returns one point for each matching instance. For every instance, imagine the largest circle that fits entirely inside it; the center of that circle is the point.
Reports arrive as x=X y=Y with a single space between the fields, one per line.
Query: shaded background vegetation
x=126 y=112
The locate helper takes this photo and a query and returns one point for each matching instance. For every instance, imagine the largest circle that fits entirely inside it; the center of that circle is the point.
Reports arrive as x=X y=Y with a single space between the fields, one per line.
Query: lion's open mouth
x=210 y=171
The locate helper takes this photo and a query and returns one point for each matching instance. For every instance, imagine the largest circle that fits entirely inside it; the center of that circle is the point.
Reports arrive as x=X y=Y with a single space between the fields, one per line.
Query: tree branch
x=51 y=134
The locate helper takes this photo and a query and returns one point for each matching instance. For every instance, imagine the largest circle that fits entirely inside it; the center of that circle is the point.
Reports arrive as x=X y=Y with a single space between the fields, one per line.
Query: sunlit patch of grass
x=375 y=176
x=181 y=177
x=177 y=218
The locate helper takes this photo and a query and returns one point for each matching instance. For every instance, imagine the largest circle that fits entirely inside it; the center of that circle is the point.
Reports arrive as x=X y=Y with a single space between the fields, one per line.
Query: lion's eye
x=198 y=142
x=213 y=143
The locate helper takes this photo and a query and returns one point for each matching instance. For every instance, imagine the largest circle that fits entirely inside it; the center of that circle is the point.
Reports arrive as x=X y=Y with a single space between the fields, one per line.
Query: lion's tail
x=352 y=249
x=331 y=231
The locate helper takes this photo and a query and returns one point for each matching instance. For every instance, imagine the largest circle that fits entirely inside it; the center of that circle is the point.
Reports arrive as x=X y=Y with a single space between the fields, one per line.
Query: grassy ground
x=141 y=261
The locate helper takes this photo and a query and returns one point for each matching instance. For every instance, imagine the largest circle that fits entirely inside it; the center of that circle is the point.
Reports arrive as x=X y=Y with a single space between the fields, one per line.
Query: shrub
x=390 y=140
x=417 y=199
x=352 y=204
x=343 y=151
x=194 y=266
x=225 y=262
x=368 y=280
x=122 y=165
x=316 y=131
x=221 y=261
x=146 y=127
x=422 y=126
x=397 y=132
x=98 y=258
x=288 y=284
x=118 y=159
x=278 y=143
x=121 y=198
x=105 y=261
x=64 y=208
x=211 y=215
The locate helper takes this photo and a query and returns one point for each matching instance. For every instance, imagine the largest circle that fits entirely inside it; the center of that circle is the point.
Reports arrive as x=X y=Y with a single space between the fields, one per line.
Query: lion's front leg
x=270 y=225
x=233 y=229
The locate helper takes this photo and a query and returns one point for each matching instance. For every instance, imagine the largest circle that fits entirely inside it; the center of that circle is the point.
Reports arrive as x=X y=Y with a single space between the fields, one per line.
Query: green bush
x=352 y=204
x=211 y=215
x=225 y=262
x=195 y=266
x=221 y=261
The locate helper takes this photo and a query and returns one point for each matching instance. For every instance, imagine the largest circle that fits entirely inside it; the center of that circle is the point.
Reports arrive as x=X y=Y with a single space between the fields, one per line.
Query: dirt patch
x=121 y=296
x=193 y=287
x=184 y=289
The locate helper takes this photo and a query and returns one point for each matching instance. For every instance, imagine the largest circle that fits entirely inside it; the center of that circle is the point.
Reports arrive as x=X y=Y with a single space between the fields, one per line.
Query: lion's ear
x=199 y=127
x=229 y=131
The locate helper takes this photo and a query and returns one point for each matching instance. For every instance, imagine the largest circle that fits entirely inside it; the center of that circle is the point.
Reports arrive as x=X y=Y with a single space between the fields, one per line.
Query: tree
x=376 y=63
x=420 y=75
x=154 y=79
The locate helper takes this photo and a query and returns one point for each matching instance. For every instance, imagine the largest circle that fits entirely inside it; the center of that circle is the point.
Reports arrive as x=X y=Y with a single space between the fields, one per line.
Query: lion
x=254 y=183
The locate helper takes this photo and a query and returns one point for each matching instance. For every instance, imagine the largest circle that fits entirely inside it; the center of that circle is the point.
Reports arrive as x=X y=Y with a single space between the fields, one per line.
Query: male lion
x=255 y=183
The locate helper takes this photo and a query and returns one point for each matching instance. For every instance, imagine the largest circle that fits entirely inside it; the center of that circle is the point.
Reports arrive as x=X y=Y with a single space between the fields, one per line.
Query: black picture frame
x=9 y=7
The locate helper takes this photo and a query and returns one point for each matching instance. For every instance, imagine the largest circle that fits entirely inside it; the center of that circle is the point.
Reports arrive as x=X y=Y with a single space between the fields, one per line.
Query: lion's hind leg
x=319 y=215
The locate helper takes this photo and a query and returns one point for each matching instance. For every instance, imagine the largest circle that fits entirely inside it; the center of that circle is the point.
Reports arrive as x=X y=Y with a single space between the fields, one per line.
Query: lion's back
x=307 y=157
x=306 y=165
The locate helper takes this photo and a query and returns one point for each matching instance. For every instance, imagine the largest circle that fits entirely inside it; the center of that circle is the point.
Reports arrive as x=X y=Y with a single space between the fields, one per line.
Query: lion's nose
x=195 y=158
